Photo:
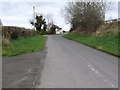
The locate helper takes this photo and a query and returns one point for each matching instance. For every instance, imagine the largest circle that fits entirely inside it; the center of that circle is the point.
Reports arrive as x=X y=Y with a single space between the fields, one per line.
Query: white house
x=58 y=30
x=49 y=27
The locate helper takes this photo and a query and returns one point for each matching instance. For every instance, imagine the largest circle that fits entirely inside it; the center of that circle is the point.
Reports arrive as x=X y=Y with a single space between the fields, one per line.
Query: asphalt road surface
x=69 y=64
x=21 y=71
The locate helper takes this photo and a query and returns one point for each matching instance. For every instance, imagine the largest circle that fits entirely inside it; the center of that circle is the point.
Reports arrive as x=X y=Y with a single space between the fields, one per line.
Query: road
x=21 y=71
x=69 y=64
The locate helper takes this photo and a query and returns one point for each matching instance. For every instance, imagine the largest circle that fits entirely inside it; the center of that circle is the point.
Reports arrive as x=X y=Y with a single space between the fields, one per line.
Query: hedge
x=12 y=32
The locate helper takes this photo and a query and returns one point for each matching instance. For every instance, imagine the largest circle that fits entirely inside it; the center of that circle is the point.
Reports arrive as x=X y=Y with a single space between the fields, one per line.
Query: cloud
x=20 y=25
x=19 y=13
x=112 y=12
x=14 y=13
x=34 y=0
x=55 y=11
x=13 y=18
x=66 y=27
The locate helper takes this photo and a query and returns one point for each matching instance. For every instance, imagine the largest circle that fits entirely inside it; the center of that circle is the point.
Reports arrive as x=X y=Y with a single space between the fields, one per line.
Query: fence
x=113 y=20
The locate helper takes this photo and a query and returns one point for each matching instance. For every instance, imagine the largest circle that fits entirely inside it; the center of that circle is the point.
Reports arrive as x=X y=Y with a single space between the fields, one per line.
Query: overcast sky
x=19 y=13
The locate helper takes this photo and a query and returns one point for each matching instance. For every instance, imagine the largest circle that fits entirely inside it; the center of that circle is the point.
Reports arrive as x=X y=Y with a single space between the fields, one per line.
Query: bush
x=12 y=33
x=43 y=32
x=85 y=16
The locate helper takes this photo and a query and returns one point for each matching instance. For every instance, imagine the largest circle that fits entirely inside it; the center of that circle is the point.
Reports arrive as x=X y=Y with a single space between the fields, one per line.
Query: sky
x=20 y=12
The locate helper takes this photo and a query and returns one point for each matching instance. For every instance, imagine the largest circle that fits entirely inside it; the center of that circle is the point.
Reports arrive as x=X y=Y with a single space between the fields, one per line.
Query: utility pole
x=34 y=15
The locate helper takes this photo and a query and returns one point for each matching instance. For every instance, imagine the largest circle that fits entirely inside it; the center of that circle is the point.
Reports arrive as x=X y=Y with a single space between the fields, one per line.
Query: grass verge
x=24 y=45
x=104 y=43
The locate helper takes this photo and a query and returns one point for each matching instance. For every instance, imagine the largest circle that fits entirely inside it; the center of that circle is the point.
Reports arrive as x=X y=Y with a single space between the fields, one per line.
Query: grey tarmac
x=21 y=71
x=69 y=64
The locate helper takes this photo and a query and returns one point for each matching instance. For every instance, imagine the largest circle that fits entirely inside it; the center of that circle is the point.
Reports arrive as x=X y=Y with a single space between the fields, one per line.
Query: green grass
x=107 y=41
x=24 y=45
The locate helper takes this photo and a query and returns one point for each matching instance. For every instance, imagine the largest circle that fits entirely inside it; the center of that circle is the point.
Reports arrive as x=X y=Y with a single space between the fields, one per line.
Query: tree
x=39 y=22
x=45 y=26
x=85 y=15
x=49 y=18
x=53 y=29
x=64 y=31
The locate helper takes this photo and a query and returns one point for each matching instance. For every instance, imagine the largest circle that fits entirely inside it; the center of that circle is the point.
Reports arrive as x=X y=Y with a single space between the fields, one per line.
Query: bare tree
x=86 y=15
x=49 y=18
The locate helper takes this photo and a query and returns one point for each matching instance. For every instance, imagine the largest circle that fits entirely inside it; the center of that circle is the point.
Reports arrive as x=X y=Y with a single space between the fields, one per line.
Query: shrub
x=12 y=33
x=43 y=32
